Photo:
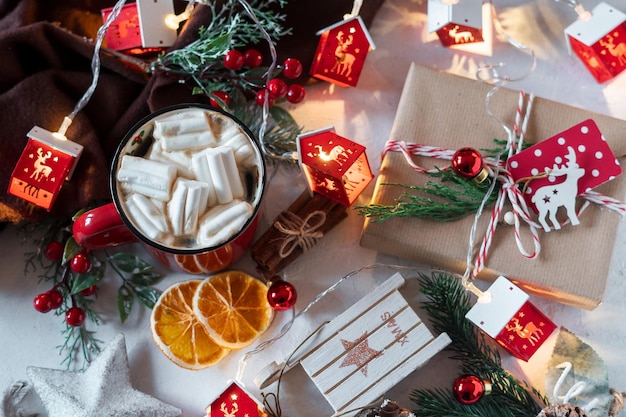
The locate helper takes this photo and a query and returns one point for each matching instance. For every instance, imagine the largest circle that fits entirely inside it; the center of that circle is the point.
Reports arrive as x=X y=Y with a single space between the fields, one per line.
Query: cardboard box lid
x=445 y=110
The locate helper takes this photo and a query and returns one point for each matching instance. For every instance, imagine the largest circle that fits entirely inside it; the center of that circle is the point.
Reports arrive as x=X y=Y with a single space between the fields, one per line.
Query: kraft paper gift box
x=448 y=111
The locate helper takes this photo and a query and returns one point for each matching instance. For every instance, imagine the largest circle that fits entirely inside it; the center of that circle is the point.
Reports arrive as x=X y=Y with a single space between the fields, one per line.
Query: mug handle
x=101 y=228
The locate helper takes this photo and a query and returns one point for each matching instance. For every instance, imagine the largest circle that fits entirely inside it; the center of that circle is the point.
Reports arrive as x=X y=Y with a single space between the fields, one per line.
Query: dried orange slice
x=234 y=308
x=207 y=262
x=177 y=331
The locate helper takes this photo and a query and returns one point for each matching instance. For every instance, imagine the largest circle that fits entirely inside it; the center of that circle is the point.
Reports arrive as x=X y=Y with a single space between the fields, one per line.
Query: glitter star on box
x=103 y=389
x=359 y=353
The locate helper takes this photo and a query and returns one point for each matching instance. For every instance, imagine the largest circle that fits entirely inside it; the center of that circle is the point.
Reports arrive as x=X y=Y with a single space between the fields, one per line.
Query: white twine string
x=356 y=9
x=575 y=390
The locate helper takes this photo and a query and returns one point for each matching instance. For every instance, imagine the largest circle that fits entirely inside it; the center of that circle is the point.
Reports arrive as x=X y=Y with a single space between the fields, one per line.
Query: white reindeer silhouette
x=549 y=198
x=345 y=60
x=229 y=413
x=618 y=51
x=338 y=154
x=41 y=169
x=461 y=37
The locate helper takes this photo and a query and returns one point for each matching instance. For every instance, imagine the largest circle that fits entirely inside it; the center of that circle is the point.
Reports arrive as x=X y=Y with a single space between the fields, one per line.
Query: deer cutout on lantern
x=228 y=413
x=618 y=51
x=549 y=198
x=463 y=36
x=345 y=60
x=338 y=154
x=529 y=331
x=42 y=171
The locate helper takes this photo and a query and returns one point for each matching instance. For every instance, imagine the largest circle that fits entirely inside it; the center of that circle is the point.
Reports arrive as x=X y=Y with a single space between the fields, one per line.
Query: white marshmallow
x=232 y=172
x=188 y=203
x=219 y=175
x=244 y=152
x=223 y=221
x=181 y=123
x=150 y=178
x=179 y=159
x=188 y=141
x=202 y=173
x=146 y=216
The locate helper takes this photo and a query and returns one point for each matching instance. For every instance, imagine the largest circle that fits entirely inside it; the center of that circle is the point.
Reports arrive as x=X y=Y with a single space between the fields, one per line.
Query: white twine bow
x=301 y=233
x=575 y=390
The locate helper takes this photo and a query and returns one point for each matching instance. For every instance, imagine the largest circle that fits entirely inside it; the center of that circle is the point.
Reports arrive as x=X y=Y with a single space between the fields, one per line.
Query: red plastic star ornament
x=359 y=353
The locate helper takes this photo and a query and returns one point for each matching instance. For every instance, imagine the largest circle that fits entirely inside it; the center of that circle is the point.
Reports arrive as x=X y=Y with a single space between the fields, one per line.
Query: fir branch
x=456 y=197
x=447 y=304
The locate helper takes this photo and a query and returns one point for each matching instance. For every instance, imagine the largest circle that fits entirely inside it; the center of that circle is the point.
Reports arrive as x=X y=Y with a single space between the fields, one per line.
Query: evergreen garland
x=447 y=304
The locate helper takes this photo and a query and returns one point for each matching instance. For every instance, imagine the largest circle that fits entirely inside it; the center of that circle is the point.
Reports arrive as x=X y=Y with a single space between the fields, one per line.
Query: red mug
x=115 y=223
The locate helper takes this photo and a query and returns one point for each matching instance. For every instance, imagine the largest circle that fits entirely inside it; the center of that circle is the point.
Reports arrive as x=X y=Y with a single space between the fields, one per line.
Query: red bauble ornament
x=469 y=389
x=89 y=291
x=260 y=98
x=282 y=295
x=468 y=163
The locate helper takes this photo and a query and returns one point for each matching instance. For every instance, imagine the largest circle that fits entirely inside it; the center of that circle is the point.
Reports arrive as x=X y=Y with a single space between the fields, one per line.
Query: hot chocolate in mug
x=187 y=182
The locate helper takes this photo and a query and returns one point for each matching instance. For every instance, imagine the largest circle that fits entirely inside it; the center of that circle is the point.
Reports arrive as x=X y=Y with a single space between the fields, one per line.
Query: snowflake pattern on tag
x=562 y=167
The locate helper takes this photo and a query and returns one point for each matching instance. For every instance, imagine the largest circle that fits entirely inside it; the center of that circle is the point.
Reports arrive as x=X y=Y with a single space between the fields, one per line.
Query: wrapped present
x=448 y=111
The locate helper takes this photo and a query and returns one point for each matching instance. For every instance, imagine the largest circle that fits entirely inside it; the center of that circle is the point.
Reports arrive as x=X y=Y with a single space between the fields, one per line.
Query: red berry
x=292 y=68
x=252 y=58
x=295 y=93
x=75 y=316
x=80 y=263
x=277 y=87
x=222 y=95
x=54 y=251
x=42 y=303
x=233 y=59
x=56 y=298
x=260 y=98
x=88 y=291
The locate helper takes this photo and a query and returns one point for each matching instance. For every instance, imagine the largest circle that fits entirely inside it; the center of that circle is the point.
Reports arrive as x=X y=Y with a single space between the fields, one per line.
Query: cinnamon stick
x=294 y=231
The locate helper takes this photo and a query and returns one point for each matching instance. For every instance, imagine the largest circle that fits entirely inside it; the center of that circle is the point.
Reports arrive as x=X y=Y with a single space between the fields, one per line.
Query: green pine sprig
x=448 y=302
x=451 y=199
x=138 y=276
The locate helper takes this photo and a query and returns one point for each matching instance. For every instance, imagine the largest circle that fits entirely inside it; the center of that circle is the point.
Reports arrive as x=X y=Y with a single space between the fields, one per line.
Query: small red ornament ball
x=260 y=98
x=282 y=295
x=467 y=162
x=469 y=389
x=56 y=298
x=75 y=316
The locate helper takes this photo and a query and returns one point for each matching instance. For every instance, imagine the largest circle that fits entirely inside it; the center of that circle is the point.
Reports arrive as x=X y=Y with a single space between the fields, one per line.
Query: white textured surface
x=364 y=114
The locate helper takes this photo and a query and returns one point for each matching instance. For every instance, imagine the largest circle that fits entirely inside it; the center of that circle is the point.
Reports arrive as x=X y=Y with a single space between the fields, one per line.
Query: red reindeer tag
x=46 y=162
x=562 y=167
x=510 y=319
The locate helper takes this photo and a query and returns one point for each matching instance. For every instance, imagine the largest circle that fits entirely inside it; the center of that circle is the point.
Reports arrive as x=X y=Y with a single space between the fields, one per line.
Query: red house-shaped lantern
x=334 y=167
x=341 y=52
x=510 y=319
x=235 y=401
x=602 y=52
x=141 y=25
x=46 y=162
x=456 y=22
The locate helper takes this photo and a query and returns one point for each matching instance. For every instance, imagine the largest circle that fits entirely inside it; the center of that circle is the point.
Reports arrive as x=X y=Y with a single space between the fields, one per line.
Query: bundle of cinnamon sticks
x=294 y=231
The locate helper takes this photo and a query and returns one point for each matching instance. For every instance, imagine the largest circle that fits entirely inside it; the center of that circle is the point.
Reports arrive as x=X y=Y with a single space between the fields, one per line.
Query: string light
x=95 y=69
